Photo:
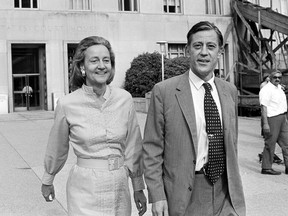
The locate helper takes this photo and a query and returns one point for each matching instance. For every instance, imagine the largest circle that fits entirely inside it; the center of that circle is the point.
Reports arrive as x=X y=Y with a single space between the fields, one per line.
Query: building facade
x=38 y=39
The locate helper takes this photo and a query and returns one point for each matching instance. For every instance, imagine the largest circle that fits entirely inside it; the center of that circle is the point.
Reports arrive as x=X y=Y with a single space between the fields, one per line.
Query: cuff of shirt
x=47 y=179
x=138 y=183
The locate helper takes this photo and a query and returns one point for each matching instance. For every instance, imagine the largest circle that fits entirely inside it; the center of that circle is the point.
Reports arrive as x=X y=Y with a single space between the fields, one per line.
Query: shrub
x=176 y=66
x=146 y=70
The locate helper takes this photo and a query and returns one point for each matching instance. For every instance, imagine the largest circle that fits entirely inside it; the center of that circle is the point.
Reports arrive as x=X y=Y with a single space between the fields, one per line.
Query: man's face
x=276 y=79
x=203 y=52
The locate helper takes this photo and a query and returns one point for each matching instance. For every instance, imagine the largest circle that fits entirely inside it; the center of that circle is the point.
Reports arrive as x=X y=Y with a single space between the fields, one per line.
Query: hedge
x=146 y=69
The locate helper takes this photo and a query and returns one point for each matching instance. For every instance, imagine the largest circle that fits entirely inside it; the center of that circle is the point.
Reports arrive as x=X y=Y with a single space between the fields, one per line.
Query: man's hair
x=274 y=72
x=204 y=26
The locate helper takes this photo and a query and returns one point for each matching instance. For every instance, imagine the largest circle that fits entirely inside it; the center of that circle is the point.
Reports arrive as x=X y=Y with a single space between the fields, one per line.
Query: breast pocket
x=117 y=128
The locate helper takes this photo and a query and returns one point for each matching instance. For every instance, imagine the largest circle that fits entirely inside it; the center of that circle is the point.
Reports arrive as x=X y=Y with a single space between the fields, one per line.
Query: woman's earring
x=83 y=72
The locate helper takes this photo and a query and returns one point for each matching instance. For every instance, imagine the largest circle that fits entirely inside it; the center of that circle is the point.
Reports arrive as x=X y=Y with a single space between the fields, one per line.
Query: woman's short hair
x=77 y=80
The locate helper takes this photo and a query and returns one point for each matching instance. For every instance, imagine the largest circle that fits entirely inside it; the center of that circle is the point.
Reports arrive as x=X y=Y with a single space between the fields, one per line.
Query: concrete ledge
x=142 y=104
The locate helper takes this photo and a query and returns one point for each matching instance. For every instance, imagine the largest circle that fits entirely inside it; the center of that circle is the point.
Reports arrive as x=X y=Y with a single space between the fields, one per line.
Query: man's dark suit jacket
x=170 y=143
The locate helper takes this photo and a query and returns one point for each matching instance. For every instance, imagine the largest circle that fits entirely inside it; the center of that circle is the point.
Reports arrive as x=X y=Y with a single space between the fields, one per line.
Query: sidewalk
x=23 y=138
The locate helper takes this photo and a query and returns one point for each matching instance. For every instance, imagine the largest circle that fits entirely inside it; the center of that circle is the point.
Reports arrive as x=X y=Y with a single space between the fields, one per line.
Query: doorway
x=71 y=48
x=29 y=77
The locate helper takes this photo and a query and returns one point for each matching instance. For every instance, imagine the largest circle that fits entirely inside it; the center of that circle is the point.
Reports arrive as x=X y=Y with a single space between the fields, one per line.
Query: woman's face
x=97 y=65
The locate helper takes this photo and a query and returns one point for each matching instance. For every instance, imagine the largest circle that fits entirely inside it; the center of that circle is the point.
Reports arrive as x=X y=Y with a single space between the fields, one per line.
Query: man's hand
x=266 y=129
x=140 y=201
x=48 y=192
x=160 y=208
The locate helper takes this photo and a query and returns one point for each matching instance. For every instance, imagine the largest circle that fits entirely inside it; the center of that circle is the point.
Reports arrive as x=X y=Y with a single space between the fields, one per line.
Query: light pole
x=163 y=52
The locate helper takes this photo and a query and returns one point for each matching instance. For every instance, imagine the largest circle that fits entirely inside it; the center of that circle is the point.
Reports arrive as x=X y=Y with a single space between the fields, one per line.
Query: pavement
x=23 y=139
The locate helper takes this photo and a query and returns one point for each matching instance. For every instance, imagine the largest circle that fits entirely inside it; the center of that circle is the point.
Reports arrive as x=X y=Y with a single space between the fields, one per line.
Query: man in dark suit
x=177 y=145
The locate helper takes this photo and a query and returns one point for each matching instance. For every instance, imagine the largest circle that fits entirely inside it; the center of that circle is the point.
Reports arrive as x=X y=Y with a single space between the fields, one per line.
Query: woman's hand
x=140 y=201
x=48 y=192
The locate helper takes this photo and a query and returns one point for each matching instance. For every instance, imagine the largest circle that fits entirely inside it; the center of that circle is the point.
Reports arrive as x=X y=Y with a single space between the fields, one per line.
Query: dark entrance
x=71 y=52
x=29 y=77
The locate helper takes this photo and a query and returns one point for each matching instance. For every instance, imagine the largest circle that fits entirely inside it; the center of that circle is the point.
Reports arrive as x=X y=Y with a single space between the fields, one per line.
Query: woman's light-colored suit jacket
x=170 y=143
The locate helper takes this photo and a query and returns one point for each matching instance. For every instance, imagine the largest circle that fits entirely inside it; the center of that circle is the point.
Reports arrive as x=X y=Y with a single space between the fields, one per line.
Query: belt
x=111 y=163
x=285 y=113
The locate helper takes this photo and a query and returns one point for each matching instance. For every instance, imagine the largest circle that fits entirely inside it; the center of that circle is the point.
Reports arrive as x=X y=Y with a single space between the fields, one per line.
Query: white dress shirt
x=198 y=92
x=274 y=98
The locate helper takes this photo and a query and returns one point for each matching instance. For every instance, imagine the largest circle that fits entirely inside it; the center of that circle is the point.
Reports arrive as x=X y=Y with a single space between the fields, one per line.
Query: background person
x=276 y=159
x=27 y=90
x=99 y=122
x=265 y=80
x=275 y=126
x=176 y=144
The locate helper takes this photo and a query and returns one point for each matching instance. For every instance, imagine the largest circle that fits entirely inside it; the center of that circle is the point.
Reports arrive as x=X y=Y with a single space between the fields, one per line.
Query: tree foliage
x=146 y=70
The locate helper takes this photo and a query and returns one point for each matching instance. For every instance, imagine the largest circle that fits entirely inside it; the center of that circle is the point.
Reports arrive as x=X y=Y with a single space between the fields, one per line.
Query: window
x=176 y=50
x=223 y=69
x=71 y=48
x=79 y=4
x=25 y=4
x=214 y=7
x=172 y=6
x=128 y=5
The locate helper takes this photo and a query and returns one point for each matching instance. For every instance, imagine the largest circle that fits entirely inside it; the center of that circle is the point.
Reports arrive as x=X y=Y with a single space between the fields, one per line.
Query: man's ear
x=187 y=51
x=221 y=51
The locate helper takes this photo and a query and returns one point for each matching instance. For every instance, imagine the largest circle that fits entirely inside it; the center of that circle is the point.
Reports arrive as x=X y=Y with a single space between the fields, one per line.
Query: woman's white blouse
x=95 y=130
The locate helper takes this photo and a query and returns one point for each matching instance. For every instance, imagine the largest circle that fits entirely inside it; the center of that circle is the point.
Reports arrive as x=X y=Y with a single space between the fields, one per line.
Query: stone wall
x=142 y=104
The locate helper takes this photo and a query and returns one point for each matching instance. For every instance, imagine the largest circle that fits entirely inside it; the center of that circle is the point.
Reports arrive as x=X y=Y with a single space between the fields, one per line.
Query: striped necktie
x=216 y=151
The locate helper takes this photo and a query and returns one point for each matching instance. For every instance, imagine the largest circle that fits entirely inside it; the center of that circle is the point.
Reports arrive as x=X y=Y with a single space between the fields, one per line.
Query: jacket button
x=189 y=188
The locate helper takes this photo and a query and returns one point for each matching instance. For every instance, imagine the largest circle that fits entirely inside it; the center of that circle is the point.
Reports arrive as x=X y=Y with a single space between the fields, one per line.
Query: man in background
x=275 y=126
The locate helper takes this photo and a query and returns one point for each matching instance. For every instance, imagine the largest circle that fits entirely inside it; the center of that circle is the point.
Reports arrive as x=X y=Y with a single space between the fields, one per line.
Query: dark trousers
x=278 y=133
x=210 y=200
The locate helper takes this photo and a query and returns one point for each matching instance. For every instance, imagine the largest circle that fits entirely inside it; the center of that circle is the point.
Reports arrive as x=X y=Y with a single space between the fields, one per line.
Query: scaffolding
x=261 y=33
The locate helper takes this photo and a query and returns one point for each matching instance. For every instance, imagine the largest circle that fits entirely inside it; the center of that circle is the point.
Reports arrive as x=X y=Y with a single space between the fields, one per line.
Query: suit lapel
x=185 y=100
x=223 y=93
x=184 y=97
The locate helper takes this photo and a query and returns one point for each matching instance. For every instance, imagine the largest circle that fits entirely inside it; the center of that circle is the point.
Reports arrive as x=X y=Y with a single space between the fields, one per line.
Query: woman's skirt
x=98 y=192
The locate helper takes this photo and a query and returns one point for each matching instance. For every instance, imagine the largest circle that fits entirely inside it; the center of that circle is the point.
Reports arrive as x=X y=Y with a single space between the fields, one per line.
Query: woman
x=99 y=122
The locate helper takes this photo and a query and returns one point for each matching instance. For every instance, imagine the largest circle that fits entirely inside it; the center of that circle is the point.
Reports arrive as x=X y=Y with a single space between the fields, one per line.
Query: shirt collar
x=277 y=87
x=107 y=92
x=197 y=82
x=89 y=90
